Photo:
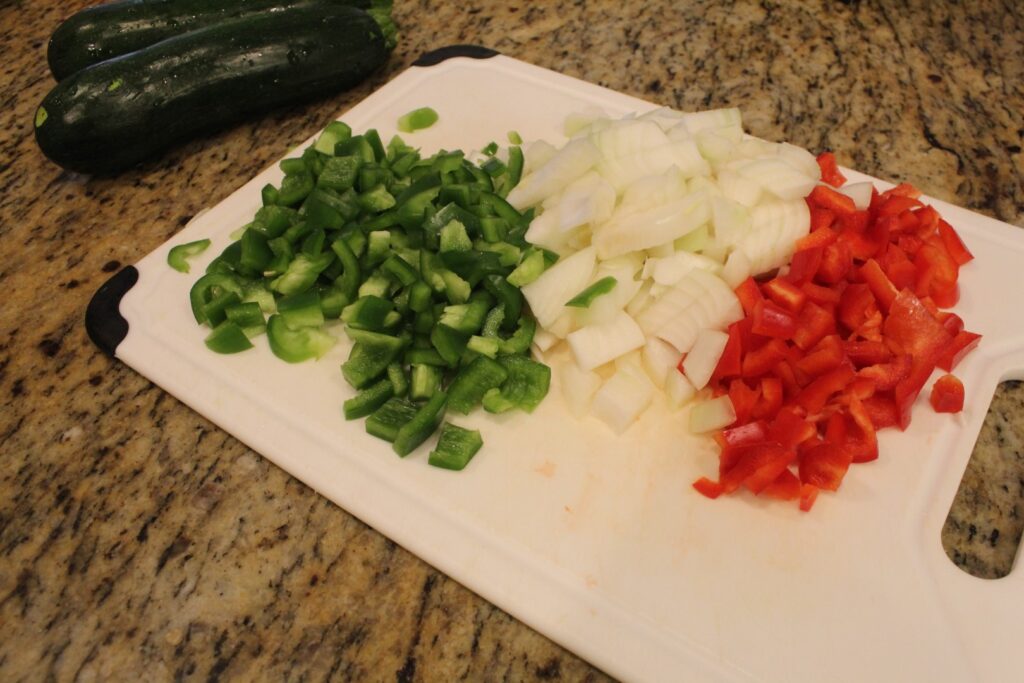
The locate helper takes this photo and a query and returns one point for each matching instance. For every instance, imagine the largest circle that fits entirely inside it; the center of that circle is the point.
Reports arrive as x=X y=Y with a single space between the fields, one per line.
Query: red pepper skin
x=954 y=245
x=830 y=172
x=706 y=487
x=756 y=466
x=879 y=284
x=785 y=487
x=804 y=265
x=826 y=198
x=813 y=323
x=770 y=320
x=785 y=294
x=818 y=237
x=825 y=465
x=743 y=435
x=963 y=343
x=749 y=294
x=816 y=394
x=808 y=495
x=947 y=395
x=730 y=363
x=743 y=399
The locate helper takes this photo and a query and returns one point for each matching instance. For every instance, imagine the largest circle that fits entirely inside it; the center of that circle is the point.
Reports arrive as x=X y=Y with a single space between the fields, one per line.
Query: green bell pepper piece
x=456 y=446
x=421 y=426
x=178 y=255
x=227 y=337
x=368 y=400
x=476 y=379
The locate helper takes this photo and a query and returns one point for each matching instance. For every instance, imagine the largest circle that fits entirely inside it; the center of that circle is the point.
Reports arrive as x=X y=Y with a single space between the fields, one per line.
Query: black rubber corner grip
x=103 y=321
x=442 y=53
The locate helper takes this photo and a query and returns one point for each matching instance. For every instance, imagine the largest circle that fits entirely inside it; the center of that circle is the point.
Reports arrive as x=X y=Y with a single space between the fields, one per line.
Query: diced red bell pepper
x=936 y=269
x=790 y=429
x=742 y=435
x=825 y=465
x=816 y=394
x=760 y=360
x=954 y=245
x=826 y=355
x=946 y=297
x=804 y=265
x=757 y=466
x=785 y=487
x=818 y=237
x=813 y=323
x=836 y=261
x=823 y=295
x=898 y=267
x=963 y=343
x=830 y=172
x=784 y=293
x=828 y=198
x=749 y=294
x=861 y=439
x=808 y=495
x=882 y=410
x=914 y=329
x=886 y=376
x=951 y=322
x=770 y=320
x=867 y=352
x=706 y=487
x=771 y=398
x=901 y=190
x=855 y=305
x=821 y=219
x=730 y=362
x=743 y=399
x=897 y=204
x=947 y=395
x=879 y=283
x=906 y=392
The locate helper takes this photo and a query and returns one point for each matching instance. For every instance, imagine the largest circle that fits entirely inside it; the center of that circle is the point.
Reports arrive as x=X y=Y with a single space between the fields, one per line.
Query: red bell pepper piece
x=963 y=343
x=947 y=395
x=813 y=323
x=867 y=352
x=804 y=265
x=954 y=245
x=706 y=487
x=879 y=283
x=771 y=398
x=790 y=429
x=730 y=363
x=914 y=329
x=826 y=198
x=861 y=440
x=749 y=294
x=756 y=466
x=814 y=395
x=759 y=361
x=886 y=376
x=784 y=293
x=743 y=399
x=855 y=305
x=824 y=296
x=881 y=408
x=901 y=190
x=771 y=320
x=785 y=487
x=836 y=261
x=897 y=204
x=825 y=465
x=742 y=435
x=818 y=237
x=808 y=495
x=826 y=355
x=830 y=172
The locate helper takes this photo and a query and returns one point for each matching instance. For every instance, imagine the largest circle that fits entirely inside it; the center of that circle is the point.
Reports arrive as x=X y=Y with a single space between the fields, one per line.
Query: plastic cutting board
x=599 y=541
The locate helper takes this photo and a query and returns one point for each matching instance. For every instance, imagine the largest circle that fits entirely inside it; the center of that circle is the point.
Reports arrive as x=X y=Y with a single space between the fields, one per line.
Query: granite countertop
x=139 y=540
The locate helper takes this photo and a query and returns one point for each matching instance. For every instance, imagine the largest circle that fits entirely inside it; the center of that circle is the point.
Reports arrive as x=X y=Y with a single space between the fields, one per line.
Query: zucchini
x=99 y=33
x=115 y=114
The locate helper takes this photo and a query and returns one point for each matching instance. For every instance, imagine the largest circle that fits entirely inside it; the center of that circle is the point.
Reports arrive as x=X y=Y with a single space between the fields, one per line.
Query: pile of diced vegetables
x=420 y=260
x=667 y=252
x=663 y=220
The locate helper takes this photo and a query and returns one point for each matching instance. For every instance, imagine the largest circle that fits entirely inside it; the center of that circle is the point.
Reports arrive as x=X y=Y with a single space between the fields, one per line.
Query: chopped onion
x=648 y=228
x=702 y=358
x=736 y=270
x=578 y=387
x=572 y=161
x=659 y=359
x=678 y=389
x=564 y=280
x=777 y=177
x=622 y=398
x=860 y=193
x=595 y=345
x=707 y=416
x=712 y=118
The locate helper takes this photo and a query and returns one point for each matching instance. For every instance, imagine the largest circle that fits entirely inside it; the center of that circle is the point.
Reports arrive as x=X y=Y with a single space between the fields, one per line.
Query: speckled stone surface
x=139 y=542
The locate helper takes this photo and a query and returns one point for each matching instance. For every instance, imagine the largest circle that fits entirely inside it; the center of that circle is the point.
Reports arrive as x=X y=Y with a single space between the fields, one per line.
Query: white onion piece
x=572 y=161
x=776 y=227
x=800 y=159
x=730 y=220
x=564 y=280
x=695 y=240
x=536 y=154
x=544 y=340
x=589 y=199
x=595 y=345
x=736 y=269
x=671 y=269
x=701 y=300
x=640 y=300
x=860 y=193
x=714 y=146
x=707 y=416
x=579 y=122
x=655 y=190
x=622 y=398
x=648 y=228
x=777 y=177
x=622 y=171
x=712 y=118
x=659 y=359
x=703 y=357
x=563 y=324
x=678 y=389
x=605 y=307
x=738 y=188
x=752 y=148
x=665 y=117
x=578 y=387
x=628 y=138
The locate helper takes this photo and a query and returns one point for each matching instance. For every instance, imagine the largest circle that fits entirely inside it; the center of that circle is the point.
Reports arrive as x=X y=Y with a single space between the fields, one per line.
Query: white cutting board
x=599 y=541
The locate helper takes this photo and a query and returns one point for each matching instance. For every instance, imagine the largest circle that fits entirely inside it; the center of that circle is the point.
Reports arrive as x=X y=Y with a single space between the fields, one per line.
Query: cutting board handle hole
x=984 y=525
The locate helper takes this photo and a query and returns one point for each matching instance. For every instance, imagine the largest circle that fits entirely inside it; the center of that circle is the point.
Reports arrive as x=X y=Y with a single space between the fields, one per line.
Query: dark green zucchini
x=114 y=114
x=99 y=33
